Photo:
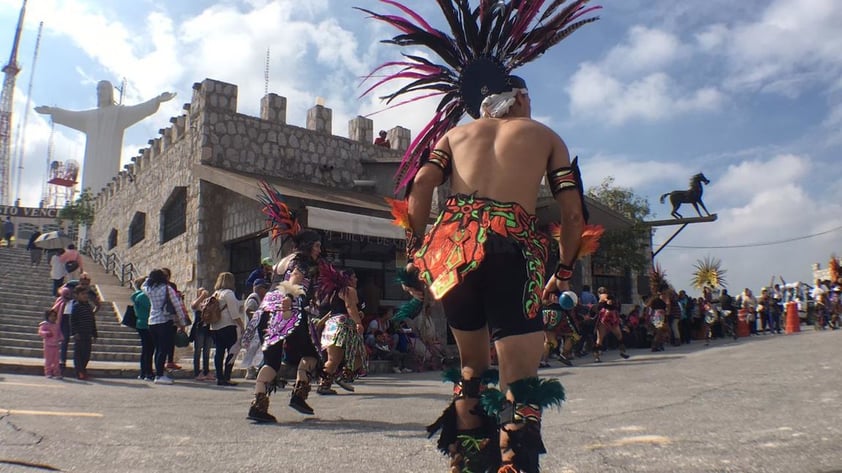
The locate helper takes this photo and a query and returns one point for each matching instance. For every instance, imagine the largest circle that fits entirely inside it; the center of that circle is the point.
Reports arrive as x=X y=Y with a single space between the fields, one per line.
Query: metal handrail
x=111 y=262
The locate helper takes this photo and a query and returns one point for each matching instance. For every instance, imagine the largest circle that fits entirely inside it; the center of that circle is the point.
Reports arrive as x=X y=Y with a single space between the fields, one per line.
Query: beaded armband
x=443 y=160
x=564 y=272
x=562 y=179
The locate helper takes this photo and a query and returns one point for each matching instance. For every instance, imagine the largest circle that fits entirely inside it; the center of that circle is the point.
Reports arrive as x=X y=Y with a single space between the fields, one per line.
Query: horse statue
x=693 y=195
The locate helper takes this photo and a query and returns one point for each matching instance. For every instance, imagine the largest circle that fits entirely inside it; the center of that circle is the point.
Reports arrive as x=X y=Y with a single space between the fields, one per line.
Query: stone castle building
x=189 y=201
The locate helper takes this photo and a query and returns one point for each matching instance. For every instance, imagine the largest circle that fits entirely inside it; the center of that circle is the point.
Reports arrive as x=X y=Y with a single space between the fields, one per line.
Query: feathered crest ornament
x=657 y=279
x=331 y=280
x=833 y=269
x=488 y=42
x=590 y=238
x=709 y=273
x=280 y=219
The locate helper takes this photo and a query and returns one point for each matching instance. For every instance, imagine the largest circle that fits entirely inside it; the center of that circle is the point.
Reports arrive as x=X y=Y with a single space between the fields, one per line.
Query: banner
x=27 y=212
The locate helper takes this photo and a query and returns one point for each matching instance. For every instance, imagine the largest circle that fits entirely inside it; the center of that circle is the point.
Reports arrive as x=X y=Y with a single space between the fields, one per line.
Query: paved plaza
x=766 y=404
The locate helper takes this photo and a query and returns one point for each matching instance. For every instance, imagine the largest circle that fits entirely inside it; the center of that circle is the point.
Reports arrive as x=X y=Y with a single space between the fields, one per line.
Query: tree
x=80 y=212
x=620 y=249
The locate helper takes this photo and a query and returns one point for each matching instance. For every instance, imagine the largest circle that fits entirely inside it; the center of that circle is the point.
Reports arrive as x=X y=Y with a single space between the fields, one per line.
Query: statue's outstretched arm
x=69 y=118
x=131 y=114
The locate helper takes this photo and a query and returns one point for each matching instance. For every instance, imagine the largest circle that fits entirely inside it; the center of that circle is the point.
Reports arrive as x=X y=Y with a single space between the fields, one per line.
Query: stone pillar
x=166 y=139
x=361 y=129
x=273 y=108
x=177 y=130
x=320 y=118
x=214 y=94
x=399 y=138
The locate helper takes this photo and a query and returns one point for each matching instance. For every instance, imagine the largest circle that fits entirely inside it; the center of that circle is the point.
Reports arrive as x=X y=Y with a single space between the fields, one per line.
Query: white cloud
x=634 y=174
x=632 y=81
x=646 y=49
x=793 y=45
x=749 y=178
x=594 y=92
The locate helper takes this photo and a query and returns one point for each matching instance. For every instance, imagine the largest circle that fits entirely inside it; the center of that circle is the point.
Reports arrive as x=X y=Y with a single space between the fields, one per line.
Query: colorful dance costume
x=340 y=331
x=462 y=257
x=286 y=339
x=475 y=238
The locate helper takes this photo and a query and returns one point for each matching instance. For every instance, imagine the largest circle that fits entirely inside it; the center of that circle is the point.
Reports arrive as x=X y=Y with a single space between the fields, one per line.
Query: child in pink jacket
x=50 y=331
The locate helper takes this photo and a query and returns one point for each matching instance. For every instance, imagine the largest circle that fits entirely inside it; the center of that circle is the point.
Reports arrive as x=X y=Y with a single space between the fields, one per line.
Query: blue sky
x=748 y=92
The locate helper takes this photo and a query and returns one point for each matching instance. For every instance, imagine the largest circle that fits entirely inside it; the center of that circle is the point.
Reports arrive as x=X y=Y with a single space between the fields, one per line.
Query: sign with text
x=27 y=212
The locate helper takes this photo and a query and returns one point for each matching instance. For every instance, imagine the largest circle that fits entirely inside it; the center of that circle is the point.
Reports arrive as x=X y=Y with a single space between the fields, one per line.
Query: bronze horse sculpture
x=693 y=195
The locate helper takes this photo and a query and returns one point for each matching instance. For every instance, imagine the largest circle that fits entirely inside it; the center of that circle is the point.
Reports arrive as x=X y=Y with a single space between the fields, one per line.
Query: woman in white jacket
x=227 y=329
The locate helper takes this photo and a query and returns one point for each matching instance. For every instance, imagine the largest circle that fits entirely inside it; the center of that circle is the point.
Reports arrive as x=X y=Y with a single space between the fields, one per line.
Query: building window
x=112 y=239
x=174 y=215
x=137 y=229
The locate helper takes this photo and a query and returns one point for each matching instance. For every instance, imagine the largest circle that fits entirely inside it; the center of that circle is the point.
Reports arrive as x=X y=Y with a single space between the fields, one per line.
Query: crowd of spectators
x=675 y=318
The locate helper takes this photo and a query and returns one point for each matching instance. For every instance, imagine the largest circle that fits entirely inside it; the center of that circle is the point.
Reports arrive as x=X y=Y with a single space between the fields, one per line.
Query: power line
x=752 y=245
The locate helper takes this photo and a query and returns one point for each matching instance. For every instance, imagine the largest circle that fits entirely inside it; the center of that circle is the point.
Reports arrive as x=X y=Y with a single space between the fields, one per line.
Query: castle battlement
x=212 y=132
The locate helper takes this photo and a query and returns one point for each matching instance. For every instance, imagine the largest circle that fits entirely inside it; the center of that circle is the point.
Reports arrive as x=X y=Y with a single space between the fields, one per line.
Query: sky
x=749 y=93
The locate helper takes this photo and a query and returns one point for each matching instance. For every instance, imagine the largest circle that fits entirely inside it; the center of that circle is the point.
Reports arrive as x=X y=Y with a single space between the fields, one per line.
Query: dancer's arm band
x=562 y=179
x=564 y=272
x=443 y=160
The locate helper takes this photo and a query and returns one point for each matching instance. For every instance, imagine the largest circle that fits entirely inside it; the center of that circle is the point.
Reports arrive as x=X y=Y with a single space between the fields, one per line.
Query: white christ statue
x=104 y=127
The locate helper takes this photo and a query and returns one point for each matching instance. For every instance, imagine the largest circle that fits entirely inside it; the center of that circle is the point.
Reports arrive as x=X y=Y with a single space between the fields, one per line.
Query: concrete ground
x=766 y=404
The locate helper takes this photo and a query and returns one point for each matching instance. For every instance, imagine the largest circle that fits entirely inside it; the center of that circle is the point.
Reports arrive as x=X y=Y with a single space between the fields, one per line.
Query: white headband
x=497 y=105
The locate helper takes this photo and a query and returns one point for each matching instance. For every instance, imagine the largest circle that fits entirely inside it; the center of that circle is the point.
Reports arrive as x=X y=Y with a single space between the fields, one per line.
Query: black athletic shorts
x=493 y=294
x=292 y=349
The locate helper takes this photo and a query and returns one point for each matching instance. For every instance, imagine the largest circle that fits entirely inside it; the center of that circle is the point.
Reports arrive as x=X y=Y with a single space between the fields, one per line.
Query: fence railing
x=125 y=272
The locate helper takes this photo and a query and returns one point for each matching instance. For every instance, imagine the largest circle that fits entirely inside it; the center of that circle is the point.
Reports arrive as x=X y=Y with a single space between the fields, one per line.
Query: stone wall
x=155 y=176
x=273 y=148
x=211 y=132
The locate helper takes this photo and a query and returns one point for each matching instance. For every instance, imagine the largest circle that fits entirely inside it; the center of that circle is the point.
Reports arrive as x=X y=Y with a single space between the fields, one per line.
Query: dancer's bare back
x=503 y=159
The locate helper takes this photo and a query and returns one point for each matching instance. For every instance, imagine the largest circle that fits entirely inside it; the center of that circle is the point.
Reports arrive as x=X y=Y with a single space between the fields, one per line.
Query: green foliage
x=621 y=249
x=80 y=212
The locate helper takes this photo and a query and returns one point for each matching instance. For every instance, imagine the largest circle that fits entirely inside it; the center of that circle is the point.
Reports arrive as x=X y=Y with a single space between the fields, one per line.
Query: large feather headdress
x=280 y=219
x=487 y=43
x=709 y=273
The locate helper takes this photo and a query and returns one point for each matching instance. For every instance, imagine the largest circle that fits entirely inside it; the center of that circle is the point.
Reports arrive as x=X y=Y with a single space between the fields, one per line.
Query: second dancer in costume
x=343 y=329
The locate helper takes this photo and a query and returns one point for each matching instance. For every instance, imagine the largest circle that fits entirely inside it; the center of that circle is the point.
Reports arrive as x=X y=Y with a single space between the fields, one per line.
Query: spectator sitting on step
x=406 y=343
x=381 y=348
x=383 y=324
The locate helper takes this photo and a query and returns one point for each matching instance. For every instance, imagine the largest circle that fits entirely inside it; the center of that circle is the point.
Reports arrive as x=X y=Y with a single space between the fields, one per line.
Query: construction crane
x=21 y=138
x=10 y=72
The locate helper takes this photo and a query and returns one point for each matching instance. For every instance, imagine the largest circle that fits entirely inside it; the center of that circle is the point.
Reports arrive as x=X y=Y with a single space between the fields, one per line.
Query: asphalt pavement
x=766 y=404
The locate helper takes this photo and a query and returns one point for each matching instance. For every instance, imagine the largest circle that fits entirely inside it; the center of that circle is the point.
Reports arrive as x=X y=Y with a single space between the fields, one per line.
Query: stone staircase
x=25 y=295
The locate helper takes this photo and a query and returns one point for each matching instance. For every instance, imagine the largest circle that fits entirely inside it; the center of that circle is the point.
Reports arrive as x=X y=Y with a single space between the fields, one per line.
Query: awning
x=345 y=222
